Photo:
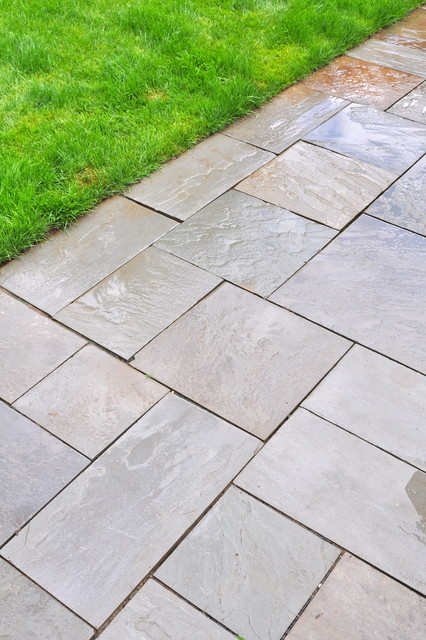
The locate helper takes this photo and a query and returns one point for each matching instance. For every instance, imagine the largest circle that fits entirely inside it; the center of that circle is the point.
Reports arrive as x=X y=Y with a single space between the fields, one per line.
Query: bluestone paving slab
x=367 y=284
x=249 y=242
x=318 y=184
x=155 y=613
x=53 y=273
x=410 y=32
x=34 y=466
x=347 y=490
x=31 y=346
x=248 y=566
x=188 y=183
x=90 y=400
x=376 y=137
x=137 y=301
x=281 y=122
x=357 y=602
x=99 y=538
x=403 y=203
x=242 y=357
x=392 y=55
x=413 y=105
x=29 y=613
x=377 y=399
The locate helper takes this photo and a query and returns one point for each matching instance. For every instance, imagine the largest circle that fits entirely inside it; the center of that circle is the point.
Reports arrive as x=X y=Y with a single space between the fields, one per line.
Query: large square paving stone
x=34 y=466
x=31 y=346
x=367 y=284
x=413 y=105
x=188 y=183
x=410 y=32
x=391 y=55
x=347 y=490
x=243 y=358
x=248 y=566
x=318 y=184
x=136 y=302
x=357 y=602
x=249 y=242
x=90 y=400
x=53 y=273
x=93 y=544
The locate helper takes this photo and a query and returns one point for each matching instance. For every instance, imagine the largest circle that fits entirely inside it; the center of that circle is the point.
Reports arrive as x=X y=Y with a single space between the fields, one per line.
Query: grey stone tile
x=137 y=301
x=318 y=184
x=403 y=203
x=157 y=614
x=241 y=357
x=185 y=185
x=355 y=602
x=347 y=490
x=248 y=566
x=54 y=273
x=281 y=122
x=90 y=400
x=251 y=243
x=413 y=105
x=34 y=466
x=368 y=284
x=29 y=613
x=378 y=138
x=31 y=346
x=377 y=399
x=97 y=540
x=391 y=55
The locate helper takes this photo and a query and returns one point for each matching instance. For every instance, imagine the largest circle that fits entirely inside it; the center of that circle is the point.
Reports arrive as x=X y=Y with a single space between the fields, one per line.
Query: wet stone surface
x=347 y=490
x=242 y=357
x=249 y=242
x=392 y=55
x=248 y=566
x=318 y=184
x=413 y=105
x=410 y=32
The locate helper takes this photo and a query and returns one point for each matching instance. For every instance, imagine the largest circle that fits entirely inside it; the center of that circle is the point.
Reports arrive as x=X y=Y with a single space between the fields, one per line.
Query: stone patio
x=213 y=387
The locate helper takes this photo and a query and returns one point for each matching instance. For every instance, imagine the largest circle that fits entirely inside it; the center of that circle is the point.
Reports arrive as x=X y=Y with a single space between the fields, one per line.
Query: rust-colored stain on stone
x=411 y=32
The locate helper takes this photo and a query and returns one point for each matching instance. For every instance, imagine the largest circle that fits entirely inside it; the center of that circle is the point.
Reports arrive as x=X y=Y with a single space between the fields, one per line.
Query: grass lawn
x=96 y=94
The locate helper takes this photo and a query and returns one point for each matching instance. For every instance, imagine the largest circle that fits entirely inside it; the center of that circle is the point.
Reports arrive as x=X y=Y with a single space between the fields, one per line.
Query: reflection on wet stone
x=413 y=105
x=391 y=55
x=410 y=32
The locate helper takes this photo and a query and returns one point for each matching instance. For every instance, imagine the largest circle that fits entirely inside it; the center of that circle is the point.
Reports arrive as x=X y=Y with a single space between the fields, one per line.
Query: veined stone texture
x=391 y=55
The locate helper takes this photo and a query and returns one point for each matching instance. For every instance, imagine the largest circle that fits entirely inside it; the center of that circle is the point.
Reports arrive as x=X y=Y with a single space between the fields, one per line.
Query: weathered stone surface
x=137 y=301
x=242 y=357
x=413 y=105
x=188 y=183
x=98 y=539
x=282 y=121
x=362 y=82
x=90 y=400
x=368 y=284
x=318 y=184
x=155 y=613
x=410 y=32
x=27 y=612
x=378 y=138
x=246 y=241
x=358 y=602
x=362 y=498
x=377 y=399
x=391 y=55
x=31 y=346
x=53 y=273
x=248 y=566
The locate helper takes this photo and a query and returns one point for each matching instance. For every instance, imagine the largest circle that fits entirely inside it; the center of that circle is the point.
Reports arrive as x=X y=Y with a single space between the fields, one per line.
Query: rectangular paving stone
x=318 y=184
x=413 y=105
x=249 y=242
x=90 y=400
x=347 y=490
x=155 y=613
x=31 y=346
x=377 y=399
x=188 y=183
x=403 y=203
x=53 y=273
x=356 y=601
x=362 y=82
x=242 y=357
x=391 y=55
x=93 y=544
x=137 y=301
x=410 y=32
x=34 y=466
x=284 y=119
x=367 y=284
x=248 y=566
x=27 y=612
